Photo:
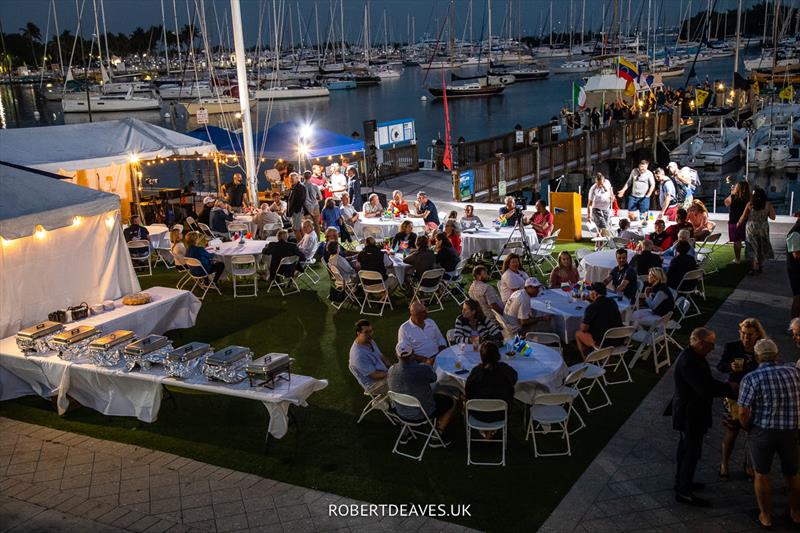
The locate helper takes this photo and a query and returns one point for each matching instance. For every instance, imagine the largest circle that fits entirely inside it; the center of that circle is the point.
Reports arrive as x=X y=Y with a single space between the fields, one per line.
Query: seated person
x=661 y=239
x=195 y=251
x=683 y=235
x=451 y=231
x=697 y=216
x=398 y=203
x=518 y=313
x=177 y=248
x=310 y=242
x=373 y=259
x=264 y=216
x=280 y=249
x=425 y=209
x=373 y=207
x=205 y=212
x=135 y=232
x=470 y=220
x=513 y=276
x=331 y=215
x=366 y=361
x=415 y=378
x=349 y=212
x=541 y=220
x=658 y=297
x=472 y=326
x=483 y=293
x=338 y=261
x=421 y=333
x=219 y=218
x=682 y=263
x=600 y=316
x=405 y=236
x=622 y=277
x=625 y=232
x=681 y=222
x=646 y=259
x=421 y=259
x=446 y=256
x=509 y=212
x=491 y=380
x=565 y=272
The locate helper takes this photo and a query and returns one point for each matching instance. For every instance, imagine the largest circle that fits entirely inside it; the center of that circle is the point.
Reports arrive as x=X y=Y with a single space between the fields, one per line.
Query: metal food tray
x=268 y=370
x=150 y=350
x=107 y=350
x=36 y=339
x=72 y=343
x=228 y=364
x=184 y=360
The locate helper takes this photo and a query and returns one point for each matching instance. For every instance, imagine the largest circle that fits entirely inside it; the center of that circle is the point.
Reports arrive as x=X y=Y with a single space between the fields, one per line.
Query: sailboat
x=776 y=140
x=712 y=146
x=81 y=103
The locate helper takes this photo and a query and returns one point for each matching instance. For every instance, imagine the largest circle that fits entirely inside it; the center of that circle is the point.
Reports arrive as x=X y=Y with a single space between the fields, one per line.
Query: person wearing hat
x=769 y=405
x=518 y=313
x=205 y=213
x=793 y=264
x=600 y=316
x=413 y=377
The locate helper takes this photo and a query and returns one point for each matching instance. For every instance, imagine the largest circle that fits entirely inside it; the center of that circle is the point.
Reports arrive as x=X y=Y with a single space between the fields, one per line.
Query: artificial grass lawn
x=324 y=448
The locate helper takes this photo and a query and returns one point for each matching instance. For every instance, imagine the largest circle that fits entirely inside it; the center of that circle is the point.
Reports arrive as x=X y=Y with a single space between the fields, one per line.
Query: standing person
x=736 y=202
x=426 y=210
x=793 y=264
x=691 y=410
x=642 y=184
x=295 y=204
x=769 y=405
x=595 y=118
x=366 y=362
x=313 y=199
x=756 y=216
x=236 y=194
x=738 y=359
x=598 y=208
x=668 y=202
x=485 y=294
x=338 y=182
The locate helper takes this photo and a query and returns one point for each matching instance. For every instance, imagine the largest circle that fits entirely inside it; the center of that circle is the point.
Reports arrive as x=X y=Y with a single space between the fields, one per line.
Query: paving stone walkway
x=628 y=487
x=51 y=480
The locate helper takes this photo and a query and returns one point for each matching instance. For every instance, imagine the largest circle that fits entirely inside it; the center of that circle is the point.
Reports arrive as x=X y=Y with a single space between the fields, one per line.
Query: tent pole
x=216 y=169
x=135 y=189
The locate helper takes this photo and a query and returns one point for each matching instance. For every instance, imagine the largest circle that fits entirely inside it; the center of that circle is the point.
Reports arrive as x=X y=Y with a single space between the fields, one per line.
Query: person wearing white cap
x=416 y=378
x=205 y=213
x=518 y=313
x=769 y=405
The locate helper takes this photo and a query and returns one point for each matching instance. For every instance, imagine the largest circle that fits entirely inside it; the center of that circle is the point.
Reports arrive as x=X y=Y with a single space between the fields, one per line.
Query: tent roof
x=280 y=141
x=94 y=145
x=32 y=197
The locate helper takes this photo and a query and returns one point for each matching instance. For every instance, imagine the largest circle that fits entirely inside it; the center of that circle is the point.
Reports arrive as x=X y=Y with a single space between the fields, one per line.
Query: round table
x=544 y=370
x=158 y=235
x=397 y=266
x=245 y=219
x=491 y=240
x=567 y=316
x=228 y=250
x=597 y=265
x=387 y=228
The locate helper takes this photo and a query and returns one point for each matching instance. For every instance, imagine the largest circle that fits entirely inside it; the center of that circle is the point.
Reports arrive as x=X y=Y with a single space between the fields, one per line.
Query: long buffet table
x=113 y=391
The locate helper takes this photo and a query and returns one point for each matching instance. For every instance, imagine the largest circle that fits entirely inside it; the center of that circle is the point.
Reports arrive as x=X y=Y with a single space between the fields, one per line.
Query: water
x=528 y=103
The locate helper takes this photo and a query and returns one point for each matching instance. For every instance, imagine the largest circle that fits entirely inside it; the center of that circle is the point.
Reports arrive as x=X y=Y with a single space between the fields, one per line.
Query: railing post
x=456 y=185
x=587 y=150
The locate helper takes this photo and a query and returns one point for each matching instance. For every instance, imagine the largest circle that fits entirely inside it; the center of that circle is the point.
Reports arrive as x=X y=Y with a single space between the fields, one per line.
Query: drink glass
x=547 y=304
x=475 y=343
x=738 y=364
x=462 y=347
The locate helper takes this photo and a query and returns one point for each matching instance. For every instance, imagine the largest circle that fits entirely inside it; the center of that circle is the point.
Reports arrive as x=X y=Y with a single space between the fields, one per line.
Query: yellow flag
x=787 y=93
x=630 y=90
x=700 y=95
x=755 y=88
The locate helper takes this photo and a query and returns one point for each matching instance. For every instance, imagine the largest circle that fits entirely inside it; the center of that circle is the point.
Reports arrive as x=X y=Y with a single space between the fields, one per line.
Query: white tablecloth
x=228 y=250
x=544 y=370
x=43 y=375
x=489 y=239
x=245 y=219
x=567 y=316
x=387 y=228
x=158 y=237
x=397 y=266
x=597 y=265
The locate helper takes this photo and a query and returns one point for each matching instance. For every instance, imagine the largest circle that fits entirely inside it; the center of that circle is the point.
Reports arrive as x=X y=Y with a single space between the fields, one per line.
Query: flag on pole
x=756 y=89
x=447 y=158
x=578 y=96
x=626 y=69
x=700 y=96
x=787 y=93
x=630 y=89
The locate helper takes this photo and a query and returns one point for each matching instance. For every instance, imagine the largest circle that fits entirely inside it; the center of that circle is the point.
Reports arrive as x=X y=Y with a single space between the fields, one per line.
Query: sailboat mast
x=366 y=34
x=316 y=23
x=738 y=38
x=385 y=34
x=97 y=32
x=570 y=27
x=583 y=21
x=105 y=32
x=244 y=103
x=551 y=25
x=341 y=21
x=489 y=38
x=164 y=35
x=177 y=32
x=58 y=39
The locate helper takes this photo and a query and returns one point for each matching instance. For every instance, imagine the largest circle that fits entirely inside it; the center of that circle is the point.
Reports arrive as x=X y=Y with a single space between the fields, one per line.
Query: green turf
x=324 y=448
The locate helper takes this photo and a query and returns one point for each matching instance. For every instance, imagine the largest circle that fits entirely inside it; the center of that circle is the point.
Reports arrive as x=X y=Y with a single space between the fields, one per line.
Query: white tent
x=97 y=154
x=61 y=245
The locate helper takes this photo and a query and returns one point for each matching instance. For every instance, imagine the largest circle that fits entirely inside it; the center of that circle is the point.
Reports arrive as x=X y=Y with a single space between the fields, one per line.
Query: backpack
x=680 y=190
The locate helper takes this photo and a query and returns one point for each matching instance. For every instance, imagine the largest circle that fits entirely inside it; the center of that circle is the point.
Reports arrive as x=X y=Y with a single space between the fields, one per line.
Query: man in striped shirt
x=769 y=400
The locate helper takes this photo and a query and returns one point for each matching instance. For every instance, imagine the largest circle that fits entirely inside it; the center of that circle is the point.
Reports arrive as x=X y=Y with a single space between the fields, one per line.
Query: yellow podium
x=566 y=209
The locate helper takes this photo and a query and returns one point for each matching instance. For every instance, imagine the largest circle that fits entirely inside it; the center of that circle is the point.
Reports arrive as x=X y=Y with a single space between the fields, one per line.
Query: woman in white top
x=178 y=249
x=513 y=277
x=601 y=199
x=338 y=182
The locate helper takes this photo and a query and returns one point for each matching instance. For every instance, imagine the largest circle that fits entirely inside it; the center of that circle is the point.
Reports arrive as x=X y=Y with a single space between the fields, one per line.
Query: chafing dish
x=228 y=364
x=153 y=349
x=107 y=350
x=267 y=371
x=36 y=339
x=184 y=360
x=71 y=344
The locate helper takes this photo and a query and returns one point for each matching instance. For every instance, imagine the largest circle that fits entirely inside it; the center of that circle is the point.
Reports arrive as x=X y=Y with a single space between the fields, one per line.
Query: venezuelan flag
x=626 y=69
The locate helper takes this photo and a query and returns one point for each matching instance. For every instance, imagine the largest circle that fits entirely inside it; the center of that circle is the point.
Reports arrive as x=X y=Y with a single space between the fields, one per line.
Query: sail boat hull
x=108 y=104
x=467 y=92
x=215 y=106
x=291 y=93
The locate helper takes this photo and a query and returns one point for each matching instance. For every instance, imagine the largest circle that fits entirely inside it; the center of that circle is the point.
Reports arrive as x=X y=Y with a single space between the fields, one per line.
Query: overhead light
x=40 y=232
x=76 y=221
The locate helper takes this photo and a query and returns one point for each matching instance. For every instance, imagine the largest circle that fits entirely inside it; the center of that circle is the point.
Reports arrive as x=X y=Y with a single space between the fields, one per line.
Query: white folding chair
x=475 y=424
x=511 y=247
x=428 y=288
x=180 y=266
x=653 y=339
x=244 y=266
x=192 y=224
x=548 y=339
x=570 y=386
x=270 y=230
x=237 y=227
x=203 y=281
x=681 y=308
x=508 y=331
x=375 y=291
x=348 y=288
x=618 y=352
x=282 y=281
x=452 y=287
x=308 y=271
x=620 y=242
x=428 y=427
x=548 y=410
x=543 y=256
x=595 y=373
x=205 y=230
x=705 y=252
x=378 y=401
x=140 y=256
x=691 y=285
x=580 y=253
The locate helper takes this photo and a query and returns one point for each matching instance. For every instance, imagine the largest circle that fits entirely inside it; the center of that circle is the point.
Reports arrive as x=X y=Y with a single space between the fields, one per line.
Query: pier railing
x=400 y=160
x=531 y=162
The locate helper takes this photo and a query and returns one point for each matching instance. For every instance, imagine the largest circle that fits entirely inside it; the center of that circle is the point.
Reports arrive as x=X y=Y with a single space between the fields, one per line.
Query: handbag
x=79 y=312
x=59 y=315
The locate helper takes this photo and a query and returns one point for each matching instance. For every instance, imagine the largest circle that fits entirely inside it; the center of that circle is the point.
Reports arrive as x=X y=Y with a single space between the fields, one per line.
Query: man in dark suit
x=295 y=204
x=695 y=389
x=280 y=249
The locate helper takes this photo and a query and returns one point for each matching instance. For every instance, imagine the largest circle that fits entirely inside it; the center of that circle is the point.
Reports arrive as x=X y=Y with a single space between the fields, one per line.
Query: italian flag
x=578 y=96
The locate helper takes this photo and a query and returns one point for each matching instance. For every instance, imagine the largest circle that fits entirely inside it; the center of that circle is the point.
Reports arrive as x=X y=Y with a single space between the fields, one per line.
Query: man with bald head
x=421 y=333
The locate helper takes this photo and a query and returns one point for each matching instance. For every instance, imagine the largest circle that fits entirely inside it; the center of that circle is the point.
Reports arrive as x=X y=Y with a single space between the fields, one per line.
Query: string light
x=40 y=232
x=5 y=242
x=134 y=159
x=76 y=221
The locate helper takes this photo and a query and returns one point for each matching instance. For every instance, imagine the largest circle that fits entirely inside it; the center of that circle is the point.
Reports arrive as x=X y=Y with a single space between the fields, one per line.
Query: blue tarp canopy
x=281 y=141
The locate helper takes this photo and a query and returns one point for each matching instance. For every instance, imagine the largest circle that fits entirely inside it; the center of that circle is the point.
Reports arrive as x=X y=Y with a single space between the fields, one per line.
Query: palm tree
x=32 y=32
